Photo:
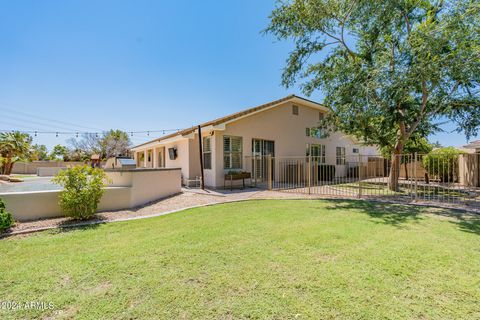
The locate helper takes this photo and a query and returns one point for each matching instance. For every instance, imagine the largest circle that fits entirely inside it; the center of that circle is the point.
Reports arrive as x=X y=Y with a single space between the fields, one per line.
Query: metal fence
x=445 y=178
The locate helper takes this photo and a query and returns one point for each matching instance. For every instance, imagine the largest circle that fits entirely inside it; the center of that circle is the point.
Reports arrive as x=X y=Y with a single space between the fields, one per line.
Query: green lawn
x=279 y=259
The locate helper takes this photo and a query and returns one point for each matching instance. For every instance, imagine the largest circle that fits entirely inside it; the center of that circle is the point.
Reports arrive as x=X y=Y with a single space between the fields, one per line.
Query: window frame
x=322 y=157
x=207 y=152
x=231 y=153
x=340 y=158
x=295 y=110
x=307 y=132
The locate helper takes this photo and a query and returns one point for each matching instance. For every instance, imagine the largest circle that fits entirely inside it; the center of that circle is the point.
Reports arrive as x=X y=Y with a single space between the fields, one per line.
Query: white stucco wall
x=288 y=132
x=278 y=124
x=127 y=190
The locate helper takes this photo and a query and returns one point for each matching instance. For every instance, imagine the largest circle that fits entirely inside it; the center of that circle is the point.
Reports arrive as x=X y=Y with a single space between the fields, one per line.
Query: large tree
x=108 y=144
x=14 y=146
x=60 y=152
x=115 y=143
x=389 y=69
x=39 y=152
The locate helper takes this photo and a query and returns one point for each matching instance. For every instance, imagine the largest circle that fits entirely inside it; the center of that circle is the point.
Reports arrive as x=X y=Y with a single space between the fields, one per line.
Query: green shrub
x=82 y=190
x=6 y=218
x=442 y=164
x=326 y=172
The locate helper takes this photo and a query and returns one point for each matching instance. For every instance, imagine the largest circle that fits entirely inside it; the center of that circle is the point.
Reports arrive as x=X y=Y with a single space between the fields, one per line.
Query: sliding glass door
x=261 y=149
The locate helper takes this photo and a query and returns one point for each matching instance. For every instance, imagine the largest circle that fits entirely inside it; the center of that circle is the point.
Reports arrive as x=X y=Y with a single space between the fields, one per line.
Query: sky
x=141 y=65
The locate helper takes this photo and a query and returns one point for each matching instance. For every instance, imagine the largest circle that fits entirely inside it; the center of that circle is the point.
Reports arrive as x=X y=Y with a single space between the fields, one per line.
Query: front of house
x=286 y=127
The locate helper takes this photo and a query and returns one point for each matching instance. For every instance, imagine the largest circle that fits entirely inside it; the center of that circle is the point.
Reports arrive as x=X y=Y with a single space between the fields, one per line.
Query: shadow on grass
x=82 y=225
x=470 y=224
x=400 y=215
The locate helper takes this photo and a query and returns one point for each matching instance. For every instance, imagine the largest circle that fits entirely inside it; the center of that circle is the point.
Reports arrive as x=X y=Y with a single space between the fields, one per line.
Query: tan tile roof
x=473 y=145
x=226 y=118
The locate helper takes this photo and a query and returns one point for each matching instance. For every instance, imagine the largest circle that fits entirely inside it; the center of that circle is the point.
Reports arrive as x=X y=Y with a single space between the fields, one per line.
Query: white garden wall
x=128 y=189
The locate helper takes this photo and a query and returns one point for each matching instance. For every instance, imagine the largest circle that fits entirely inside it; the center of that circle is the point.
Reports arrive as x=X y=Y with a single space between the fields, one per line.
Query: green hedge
x=82 y=190
x=442 y=164
x=6 y=218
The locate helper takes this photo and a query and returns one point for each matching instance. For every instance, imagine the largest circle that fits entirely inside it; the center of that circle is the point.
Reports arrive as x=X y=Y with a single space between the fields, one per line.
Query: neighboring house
x=473 y=146
x=469 y=165
x=286 y=127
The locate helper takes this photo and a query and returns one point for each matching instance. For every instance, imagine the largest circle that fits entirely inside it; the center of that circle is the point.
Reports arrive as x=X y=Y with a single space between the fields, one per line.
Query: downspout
x=201 y=156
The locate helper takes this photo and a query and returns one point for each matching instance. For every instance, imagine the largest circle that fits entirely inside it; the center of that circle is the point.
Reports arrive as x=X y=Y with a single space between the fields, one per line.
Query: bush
x=326 y=172
x=442 y=163
x=82 y=190
x=6 y=218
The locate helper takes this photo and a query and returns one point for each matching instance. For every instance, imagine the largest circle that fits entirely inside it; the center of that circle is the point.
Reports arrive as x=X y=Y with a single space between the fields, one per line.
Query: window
x=340 y=155
x=295 y=110
x=207 y=153
x=161 y=158
x=320 y=116
x=149 y=156
x=232 y=152
x=307 y=132
x=317 y=151
x=355 y=150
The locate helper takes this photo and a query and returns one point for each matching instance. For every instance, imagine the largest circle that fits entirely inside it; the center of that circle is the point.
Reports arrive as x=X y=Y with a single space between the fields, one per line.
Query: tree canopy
x=60 y=152
x=14 y=146
x=386 y=67
x=39 y=152
x=389 y=69
x=110 y=143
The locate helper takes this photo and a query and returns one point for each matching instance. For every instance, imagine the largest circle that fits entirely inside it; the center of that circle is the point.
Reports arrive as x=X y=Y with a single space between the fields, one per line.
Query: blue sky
x=137 y=65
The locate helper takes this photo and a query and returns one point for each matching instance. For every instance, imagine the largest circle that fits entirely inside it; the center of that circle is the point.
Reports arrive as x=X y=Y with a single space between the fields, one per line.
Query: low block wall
x=128 y=189
x=49 y=171
x=26 y=206
x=32 y=167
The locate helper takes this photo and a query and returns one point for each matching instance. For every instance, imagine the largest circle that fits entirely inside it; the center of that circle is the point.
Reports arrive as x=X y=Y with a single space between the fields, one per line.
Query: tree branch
x=423 y=108
x=454 y=88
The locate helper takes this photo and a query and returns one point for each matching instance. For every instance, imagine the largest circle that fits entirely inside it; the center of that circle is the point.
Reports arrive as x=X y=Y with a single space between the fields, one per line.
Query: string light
x=36 y=133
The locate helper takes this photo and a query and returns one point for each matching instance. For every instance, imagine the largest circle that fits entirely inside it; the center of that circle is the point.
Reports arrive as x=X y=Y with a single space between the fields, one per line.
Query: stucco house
x=287 y=127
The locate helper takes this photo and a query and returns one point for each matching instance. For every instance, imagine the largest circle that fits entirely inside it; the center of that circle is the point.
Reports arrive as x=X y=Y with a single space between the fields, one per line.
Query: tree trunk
x=395 y=167
x=5 y=166
x=8 y=167
x=406 y=170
